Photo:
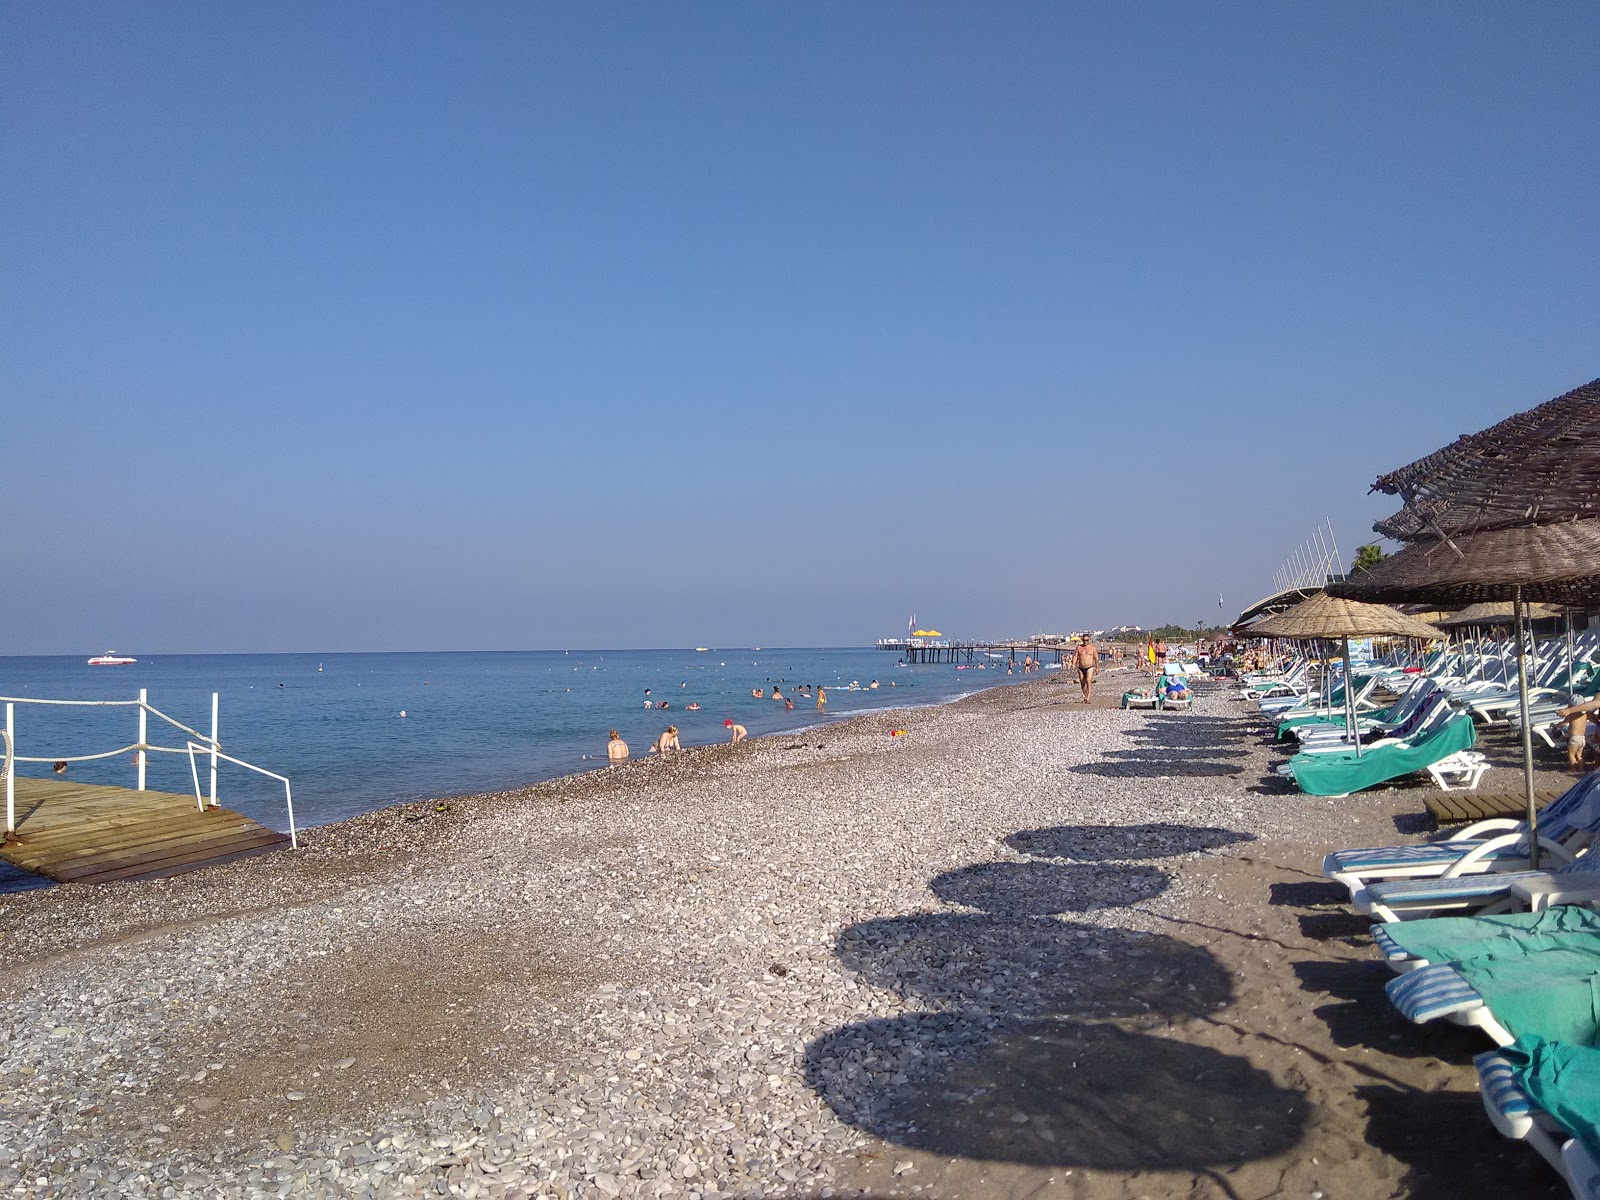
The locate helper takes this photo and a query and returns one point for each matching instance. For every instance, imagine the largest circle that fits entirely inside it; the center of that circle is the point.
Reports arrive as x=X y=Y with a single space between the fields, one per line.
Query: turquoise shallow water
x=474 y=721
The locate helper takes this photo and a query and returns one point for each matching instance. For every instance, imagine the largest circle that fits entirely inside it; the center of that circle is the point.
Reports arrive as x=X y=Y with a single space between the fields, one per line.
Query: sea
x=357 y=732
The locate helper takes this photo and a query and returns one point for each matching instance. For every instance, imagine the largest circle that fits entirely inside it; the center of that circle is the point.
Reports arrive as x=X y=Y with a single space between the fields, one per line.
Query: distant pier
x=943 y=650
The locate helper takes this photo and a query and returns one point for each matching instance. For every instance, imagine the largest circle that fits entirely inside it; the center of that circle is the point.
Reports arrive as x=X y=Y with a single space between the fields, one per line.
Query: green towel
x=1339 y=772
x=1554 y=993
x=1507 y=935
x=1563 y=1080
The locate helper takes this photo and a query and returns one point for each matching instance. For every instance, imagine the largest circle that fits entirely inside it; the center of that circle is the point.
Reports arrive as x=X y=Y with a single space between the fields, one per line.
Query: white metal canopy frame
x=206 y=744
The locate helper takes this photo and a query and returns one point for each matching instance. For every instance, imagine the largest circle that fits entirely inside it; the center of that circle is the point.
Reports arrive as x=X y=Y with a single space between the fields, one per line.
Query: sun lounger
x=1342 y=772
x=1575 y=882
x=1140 y=698
x=1439 y=992
x=1513 y=1112
x=1418 y=723
x=1517 y=1115
x=1581 y=1169
x=1498 y=844
x=1551 y=993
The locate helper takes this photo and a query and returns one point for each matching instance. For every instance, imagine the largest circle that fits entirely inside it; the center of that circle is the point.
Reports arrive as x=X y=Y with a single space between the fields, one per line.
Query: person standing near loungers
x=1087 y=659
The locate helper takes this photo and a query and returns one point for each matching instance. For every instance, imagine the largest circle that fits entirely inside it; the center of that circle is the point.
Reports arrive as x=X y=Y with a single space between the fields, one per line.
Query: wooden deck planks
x=87 y=833
x=1453 y=808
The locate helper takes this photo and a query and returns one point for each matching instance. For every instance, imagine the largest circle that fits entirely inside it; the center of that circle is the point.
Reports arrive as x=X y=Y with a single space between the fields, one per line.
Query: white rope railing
x=11 y=804
x=208 y=745
x=76 y=703
x=288 y=796
x=72 y=758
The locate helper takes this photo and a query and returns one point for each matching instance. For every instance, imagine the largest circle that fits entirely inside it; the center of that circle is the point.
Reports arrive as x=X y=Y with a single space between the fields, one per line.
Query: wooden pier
x=86 y=833
x=938 y=650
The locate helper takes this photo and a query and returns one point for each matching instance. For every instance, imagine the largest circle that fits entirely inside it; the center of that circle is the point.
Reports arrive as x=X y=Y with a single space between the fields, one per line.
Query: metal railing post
x=144 y=718
x=11 y=767
x=214 y=749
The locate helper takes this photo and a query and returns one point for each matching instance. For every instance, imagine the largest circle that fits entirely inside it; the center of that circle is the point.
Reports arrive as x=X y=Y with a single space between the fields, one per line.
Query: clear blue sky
x=447 y=326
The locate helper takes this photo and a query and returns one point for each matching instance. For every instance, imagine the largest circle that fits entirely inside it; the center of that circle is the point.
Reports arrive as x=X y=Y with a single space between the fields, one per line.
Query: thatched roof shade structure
x=1511 y=513
x=1558 y=563
x=1539 y=466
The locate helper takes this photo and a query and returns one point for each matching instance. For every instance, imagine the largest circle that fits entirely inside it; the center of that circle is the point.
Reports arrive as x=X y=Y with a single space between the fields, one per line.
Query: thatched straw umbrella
x=1498 y=612
x=1337 y=619
x=1509 y=513
x=1538 y=466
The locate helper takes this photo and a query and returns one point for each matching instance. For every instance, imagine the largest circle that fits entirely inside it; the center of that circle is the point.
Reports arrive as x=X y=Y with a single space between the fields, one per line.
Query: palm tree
x=1367 y=557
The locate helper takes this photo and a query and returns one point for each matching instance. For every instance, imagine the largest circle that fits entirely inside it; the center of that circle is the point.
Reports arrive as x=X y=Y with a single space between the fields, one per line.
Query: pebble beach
x=1027 y=948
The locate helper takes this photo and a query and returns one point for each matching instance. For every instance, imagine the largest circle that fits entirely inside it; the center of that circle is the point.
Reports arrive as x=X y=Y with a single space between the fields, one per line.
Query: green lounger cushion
x=1336 y=774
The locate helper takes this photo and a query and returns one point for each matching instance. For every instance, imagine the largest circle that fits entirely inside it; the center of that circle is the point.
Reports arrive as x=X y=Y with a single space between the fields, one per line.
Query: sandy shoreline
x=1026 y=949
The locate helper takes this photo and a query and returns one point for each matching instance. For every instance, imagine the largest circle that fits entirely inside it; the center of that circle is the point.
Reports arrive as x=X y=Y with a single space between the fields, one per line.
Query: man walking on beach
x=1087 y=659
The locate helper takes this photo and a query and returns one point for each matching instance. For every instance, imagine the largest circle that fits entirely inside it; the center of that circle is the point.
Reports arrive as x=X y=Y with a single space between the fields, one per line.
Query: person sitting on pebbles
x=668 y=741
x=616 y=748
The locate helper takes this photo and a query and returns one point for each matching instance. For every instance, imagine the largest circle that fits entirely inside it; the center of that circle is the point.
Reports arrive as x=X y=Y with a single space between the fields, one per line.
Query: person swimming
x=693 y=707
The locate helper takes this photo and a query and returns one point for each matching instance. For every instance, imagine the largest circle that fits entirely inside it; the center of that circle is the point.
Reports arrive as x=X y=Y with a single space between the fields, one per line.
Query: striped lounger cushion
x=1443 y=891
x=1423 y=854
x=1431 y=992
x=1391 y=950
x=1498 y=1082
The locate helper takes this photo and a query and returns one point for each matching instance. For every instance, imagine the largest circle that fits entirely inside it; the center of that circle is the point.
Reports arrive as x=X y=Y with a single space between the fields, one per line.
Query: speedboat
x=111 y=659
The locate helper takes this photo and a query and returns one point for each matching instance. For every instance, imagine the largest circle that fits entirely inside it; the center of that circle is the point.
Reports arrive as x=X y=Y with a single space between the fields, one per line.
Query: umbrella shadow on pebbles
x=1034 y=967
x=1153 y=766
x=1052 y=1093
x=1115 y=843
x=1042 y=889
